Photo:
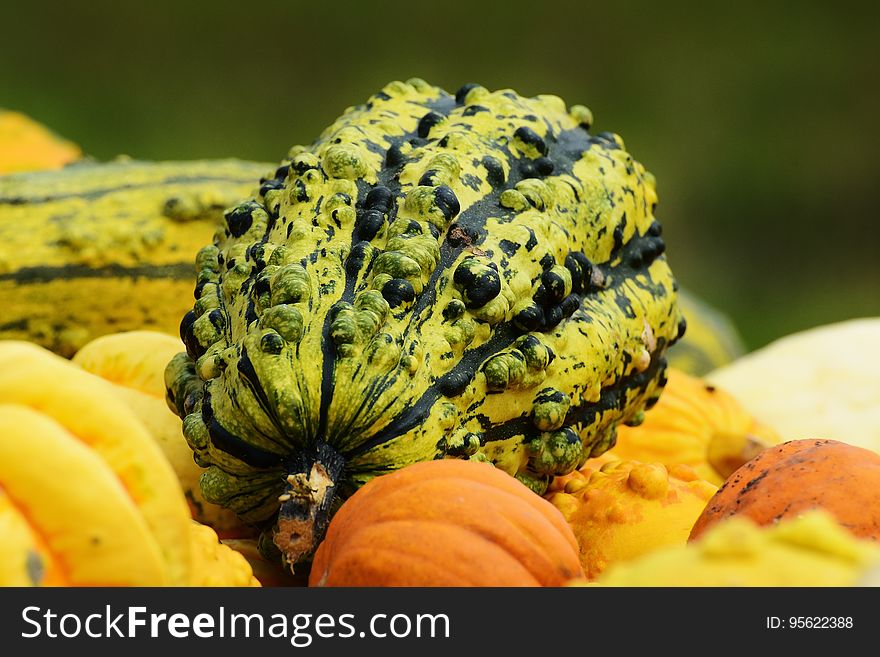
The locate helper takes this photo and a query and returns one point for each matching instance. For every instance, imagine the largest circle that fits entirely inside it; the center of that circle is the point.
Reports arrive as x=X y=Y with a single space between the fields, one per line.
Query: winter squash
x=624 y=509
x=446 y=523
x=698 y=424
x=429 y=251
x=799 y=475
x=809 y=550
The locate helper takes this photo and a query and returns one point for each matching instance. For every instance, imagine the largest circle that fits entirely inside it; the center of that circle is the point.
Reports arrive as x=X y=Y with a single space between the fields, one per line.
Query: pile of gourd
x=749 y=470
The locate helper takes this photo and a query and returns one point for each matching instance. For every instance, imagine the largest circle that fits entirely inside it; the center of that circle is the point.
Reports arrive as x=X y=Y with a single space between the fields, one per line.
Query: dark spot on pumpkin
x=355 y=261
x=508 y=247
x=531 y=138
x=398 y=291
x=554 y=285
x=300 y=192
x=217 y=319
x=272 y=343
x=463 y=91
x=193 y=349
x=369 y=224
x=428 y=178
x=455 y=382
x=682 y=328
x=447 y=201
x=754 y=482
x=271 y=185
x=394 y=157
x=240 y=219
x=544 y=166
x=474 y=109
x=528 y=170
x=570 y=304
x=427 y=122
x=379 y=198
x=494 y=171
x=530 y=318
x=453 y=310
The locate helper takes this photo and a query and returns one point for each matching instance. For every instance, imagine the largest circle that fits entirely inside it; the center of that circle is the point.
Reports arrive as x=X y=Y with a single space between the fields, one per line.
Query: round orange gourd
x=695 y=424
x=625 y=509
x=799 y=475
x=446 y=523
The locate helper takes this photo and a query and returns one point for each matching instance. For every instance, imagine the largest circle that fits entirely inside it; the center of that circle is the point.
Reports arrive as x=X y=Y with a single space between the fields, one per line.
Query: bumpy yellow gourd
x=624 y=509
x=696 y=424
x=216 y=564
x=134 y=363
x=87 y=409
x=811 y=550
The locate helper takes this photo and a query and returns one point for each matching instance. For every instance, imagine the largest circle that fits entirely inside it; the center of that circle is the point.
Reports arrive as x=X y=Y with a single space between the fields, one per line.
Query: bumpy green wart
x=472 y=276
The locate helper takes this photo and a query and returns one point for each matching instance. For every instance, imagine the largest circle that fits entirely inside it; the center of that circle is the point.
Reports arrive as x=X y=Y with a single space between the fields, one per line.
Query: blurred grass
x=758 y=120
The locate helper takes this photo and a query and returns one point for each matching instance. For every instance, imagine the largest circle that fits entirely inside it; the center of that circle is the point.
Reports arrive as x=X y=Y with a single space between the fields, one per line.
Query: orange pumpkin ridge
x=446 y=523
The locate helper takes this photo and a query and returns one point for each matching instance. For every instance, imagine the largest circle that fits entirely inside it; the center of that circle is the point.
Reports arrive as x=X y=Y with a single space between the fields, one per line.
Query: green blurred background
x=759 y=121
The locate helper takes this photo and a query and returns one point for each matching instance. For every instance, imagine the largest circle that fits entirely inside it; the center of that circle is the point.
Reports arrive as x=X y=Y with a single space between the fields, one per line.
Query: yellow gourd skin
x=216 y=564
x=810 y=550
x=65 y=517
x=84 y=407
x=97 y=248
x=695 y=424
x=624 y=509
x=26 y=145
x=134 y=363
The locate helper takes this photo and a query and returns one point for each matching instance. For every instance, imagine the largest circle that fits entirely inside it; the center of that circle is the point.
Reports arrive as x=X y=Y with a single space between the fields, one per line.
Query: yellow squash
x=99 y=248
x=134 y=363
x=87 y=409
x=625 y=509
x=26 y=145
x=65 y=516
x=811 y=550
x=696 y=424
x=818 y=383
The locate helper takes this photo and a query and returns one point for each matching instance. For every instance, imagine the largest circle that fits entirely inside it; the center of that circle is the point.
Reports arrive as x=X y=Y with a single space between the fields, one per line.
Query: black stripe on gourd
x=471 y=276
x=98 y=248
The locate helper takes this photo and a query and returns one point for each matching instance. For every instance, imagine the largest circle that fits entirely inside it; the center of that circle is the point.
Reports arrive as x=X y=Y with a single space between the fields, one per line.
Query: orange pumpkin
x=695 y=424
x=446 y=523
x=799 y=475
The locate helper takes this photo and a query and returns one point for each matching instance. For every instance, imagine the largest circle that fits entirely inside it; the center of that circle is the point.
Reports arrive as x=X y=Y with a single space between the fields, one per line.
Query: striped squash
x=95 y=248
x=470 y=275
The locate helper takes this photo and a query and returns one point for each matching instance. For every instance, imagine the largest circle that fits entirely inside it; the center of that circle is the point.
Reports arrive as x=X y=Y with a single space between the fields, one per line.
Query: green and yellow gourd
x=472 y=276
x=97 y=248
